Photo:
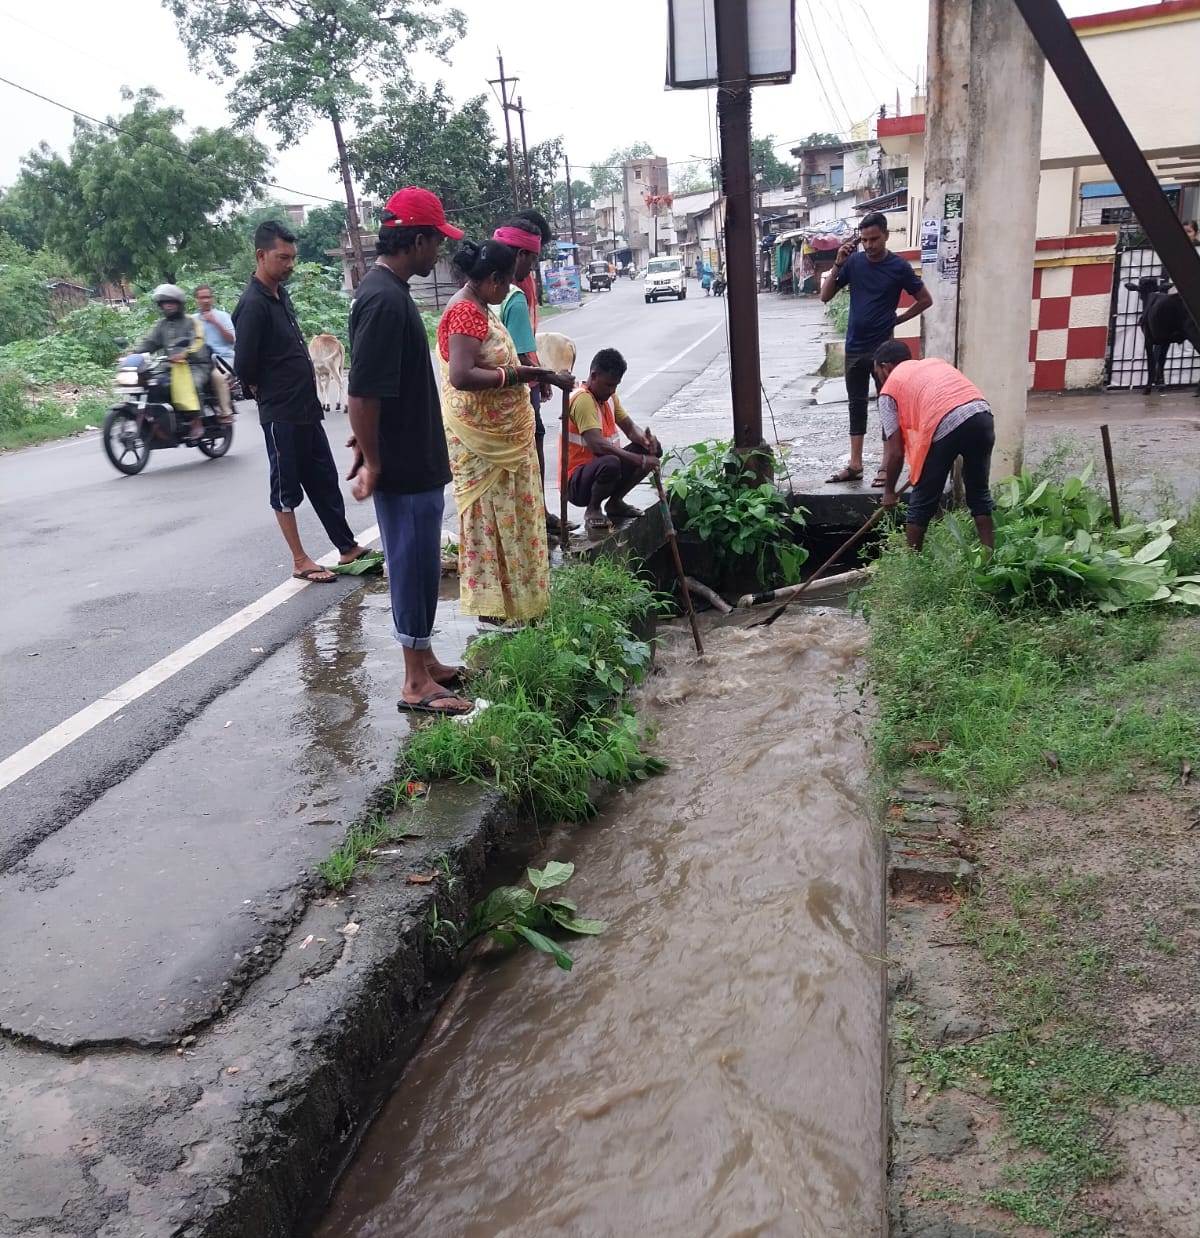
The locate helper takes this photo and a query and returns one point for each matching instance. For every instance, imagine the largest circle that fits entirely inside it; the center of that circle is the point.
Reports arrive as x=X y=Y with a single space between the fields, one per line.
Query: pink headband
x=519 y=239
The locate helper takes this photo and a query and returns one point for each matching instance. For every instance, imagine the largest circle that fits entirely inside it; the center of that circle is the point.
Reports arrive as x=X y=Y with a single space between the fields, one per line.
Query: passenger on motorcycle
x=181 y=338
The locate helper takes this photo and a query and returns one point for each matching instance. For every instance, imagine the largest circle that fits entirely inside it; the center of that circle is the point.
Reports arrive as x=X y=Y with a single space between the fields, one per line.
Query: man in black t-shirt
x=400 y=446
x=271 y=358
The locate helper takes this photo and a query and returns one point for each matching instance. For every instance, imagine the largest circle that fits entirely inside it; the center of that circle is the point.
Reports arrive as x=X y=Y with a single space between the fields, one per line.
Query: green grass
x=25 y=421
x=1010 y=695
x=355 y=851
x=838 y=311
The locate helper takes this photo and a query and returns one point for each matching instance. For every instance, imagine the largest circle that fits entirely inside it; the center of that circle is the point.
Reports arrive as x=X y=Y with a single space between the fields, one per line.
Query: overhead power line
x=108 y=124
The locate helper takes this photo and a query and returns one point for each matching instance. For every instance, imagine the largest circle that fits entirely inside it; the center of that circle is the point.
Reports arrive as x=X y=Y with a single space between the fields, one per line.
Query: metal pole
x=525 y=154
x=503 y=81
x=1112 y=476
x=1118 y=147
x=733 y=118
x=571 y=209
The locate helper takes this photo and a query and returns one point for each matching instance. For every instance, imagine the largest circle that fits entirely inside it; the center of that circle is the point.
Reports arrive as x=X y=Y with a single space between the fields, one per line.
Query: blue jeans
x=410 y=526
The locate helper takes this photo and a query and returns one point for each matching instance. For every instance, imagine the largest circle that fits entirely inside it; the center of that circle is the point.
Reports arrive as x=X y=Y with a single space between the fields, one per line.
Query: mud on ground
x=1084 y=932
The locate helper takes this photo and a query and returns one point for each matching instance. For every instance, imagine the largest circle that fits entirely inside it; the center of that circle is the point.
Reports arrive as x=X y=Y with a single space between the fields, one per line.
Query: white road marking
x=90 y=717
x=679 y=356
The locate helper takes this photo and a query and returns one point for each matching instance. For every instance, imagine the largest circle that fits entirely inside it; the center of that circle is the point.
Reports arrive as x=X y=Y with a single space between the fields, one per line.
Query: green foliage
x=24 y=303
x=1056 y=545
x=607 y=178
x=838 y=311
x=695 y=178
x=722 y=501
x=767 y=165
x=818 y=138
x=583 y=193
x=321 y=305
x=25 y=419
x=322 y=231
x=141 y=203
x=995 y=688
x=511 y=914
x=421 y=137
x=21 y=217
x=545 y=735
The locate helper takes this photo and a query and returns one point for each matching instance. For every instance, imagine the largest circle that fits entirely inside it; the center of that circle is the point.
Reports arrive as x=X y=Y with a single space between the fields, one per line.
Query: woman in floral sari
x=503 y=560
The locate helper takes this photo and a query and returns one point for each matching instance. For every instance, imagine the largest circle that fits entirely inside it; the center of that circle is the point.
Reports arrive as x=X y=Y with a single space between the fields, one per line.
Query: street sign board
x=692 y=42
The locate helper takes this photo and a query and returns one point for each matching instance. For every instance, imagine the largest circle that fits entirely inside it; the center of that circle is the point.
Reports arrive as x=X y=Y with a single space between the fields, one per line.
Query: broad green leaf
x=1152 y=550
x=565 y=903
x=1038 y=491
x=503 y=904
x=1086 y=475
x=555 y=873
x=543 y=943
x=576 y=924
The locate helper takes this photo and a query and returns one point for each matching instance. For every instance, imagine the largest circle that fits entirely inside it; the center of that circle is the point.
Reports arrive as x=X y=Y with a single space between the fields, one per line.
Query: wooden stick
x=711 y=596
x=1112 y=476
x=564 y=534
x=673 y=542
x=790 y=591
x=844 y=548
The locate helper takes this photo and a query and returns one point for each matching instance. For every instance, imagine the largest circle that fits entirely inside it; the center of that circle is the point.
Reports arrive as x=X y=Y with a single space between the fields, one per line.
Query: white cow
x=555 y=352
x=329 y=362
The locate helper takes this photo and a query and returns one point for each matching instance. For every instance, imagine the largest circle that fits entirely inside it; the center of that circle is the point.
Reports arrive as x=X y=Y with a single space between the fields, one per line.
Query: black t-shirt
x=389 y=361
x=270 y=356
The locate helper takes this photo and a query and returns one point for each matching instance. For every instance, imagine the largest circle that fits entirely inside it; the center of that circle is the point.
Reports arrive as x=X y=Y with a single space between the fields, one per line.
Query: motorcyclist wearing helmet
x=180 y=337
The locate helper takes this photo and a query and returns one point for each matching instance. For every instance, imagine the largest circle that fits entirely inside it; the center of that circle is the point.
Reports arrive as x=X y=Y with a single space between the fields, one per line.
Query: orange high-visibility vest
x=925 y=391
x=578 y=452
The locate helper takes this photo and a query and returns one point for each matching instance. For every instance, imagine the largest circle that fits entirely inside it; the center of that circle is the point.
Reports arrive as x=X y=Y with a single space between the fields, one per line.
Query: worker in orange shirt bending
x=931 y=415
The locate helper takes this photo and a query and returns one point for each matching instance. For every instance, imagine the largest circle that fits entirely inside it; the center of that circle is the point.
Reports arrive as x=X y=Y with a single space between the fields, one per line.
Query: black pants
x=860 y=370
x=973 y=440
x=614 y=476
x=302 y=464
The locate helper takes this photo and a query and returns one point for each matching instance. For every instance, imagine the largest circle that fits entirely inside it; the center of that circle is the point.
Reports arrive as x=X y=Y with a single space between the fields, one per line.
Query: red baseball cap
x=418 y=208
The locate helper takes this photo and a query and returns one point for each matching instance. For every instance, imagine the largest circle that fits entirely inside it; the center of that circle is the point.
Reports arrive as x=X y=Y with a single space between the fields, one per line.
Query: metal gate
x=1125 y=364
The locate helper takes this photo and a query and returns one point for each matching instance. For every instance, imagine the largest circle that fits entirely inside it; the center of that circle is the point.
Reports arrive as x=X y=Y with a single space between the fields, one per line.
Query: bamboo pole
x=673 y=542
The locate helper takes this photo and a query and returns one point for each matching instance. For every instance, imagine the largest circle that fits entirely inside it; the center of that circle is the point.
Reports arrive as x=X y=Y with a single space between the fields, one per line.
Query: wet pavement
x=150 y=911
x=711 y=1066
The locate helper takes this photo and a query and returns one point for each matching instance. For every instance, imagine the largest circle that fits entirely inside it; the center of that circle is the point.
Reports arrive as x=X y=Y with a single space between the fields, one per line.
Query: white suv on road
x=664 y=278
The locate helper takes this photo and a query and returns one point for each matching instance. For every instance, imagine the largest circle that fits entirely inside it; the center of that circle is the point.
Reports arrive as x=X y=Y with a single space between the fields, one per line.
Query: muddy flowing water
x=712 y=1064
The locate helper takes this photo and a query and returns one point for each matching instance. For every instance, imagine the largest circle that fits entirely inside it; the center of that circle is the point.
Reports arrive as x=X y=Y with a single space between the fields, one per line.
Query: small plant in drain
x=512 y=914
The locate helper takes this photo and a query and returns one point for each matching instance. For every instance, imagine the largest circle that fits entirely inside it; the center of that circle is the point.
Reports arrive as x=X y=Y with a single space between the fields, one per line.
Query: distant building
x=647 y=221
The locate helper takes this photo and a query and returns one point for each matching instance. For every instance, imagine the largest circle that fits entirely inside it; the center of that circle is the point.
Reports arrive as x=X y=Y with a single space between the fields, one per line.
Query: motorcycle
x=718 y=286
x=146 y=421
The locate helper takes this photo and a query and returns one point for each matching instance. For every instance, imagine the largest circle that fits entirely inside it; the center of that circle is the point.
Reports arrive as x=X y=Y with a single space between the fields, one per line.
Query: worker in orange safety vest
x=932 y=414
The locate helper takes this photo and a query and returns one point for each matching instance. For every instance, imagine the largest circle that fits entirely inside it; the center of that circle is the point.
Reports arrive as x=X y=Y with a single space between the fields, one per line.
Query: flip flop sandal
x=846 y=474
x=878 y=481
x=425 y=705
x=598 y=524
x=316 y=576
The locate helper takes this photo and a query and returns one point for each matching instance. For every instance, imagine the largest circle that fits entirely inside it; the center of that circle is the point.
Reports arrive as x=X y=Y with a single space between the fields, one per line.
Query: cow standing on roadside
x=329 y=364
x=1164 y=321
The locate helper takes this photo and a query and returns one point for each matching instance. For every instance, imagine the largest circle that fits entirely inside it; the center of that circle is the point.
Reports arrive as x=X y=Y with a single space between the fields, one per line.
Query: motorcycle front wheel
x=124 y=444
x=216 y=442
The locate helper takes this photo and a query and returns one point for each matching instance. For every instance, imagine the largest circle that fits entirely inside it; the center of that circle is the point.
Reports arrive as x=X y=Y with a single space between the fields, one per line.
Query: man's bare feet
x=355 y=552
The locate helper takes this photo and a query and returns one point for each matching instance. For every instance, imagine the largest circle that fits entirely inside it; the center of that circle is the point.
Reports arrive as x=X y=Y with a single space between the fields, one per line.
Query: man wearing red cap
x=401 y=459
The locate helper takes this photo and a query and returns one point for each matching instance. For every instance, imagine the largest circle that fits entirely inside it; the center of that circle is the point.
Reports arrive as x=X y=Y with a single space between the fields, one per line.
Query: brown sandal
x=846 y=474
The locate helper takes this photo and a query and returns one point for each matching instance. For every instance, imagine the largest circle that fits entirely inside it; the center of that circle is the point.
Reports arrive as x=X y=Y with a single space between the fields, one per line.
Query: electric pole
x=733 y=118
x=571 y=211
x=504 y=83
x=519 y=108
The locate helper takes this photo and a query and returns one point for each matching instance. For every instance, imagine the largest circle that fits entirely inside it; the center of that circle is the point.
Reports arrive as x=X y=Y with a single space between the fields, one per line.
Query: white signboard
x=692 y=42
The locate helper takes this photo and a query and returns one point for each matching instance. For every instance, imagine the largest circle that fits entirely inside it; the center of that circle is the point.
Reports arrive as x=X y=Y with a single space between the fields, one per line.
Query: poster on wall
x=561 y=283
x=954 y=206
x=949 y=245
x=930 y=230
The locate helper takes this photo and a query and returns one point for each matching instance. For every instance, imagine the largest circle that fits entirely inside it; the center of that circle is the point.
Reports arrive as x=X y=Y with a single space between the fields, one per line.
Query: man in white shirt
x=219 y=336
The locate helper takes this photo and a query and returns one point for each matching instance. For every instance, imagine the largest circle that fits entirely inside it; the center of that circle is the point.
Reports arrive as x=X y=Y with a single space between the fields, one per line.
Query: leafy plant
x=1056 y=545
x=722 y=501
x=511 y=914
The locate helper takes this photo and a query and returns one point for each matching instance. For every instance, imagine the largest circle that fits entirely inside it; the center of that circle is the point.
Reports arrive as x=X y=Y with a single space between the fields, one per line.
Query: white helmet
x=168 y=292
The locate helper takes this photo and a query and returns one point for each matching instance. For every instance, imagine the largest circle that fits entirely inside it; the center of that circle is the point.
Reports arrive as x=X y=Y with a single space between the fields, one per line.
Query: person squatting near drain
x=931 y=415
x=518 y=313
x=600 y=470
x=400 y=455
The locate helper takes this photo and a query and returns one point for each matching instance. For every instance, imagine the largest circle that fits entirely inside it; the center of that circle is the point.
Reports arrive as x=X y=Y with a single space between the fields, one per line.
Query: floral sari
x=503 y=559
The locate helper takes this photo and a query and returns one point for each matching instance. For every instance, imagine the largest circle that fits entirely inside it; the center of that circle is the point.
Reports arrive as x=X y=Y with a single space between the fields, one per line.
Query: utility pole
x=571 y=211
x=733 y=119
x=504 y=83
x=520 y=110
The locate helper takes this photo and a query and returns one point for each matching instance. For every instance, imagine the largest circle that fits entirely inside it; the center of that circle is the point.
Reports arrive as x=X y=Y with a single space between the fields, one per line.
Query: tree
x=817 y=138
x=322 y=232
x=420 y=137
x=545 y=163
x=767 y=164
x=24 y=304
x=608 y=178
x=20 y=217
x=312 y=60
x=582 y=194
x=695 y=178
x=134 y=200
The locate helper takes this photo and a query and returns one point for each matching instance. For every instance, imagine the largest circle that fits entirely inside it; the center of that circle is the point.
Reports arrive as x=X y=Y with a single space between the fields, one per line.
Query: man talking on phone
x=876 y=277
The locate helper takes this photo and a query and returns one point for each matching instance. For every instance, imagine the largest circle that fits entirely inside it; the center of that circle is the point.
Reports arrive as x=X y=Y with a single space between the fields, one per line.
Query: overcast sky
x=590 y=72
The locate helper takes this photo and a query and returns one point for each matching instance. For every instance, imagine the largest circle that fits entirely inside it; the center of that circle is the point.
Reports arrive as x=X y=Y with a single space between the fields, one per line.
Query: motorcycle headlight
x=127 y=378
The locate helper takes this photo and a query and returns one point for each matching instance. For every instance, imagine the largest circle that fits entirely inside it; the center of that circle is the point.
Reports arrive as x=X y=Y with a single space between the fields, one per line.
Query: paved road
x=105 y=575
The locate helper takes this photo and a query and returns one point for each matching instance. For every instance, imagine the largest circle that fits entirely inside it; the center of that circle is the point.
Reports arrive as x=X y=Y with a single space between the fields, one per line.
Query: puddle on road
x=712 y=1064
